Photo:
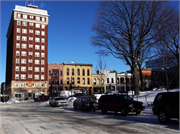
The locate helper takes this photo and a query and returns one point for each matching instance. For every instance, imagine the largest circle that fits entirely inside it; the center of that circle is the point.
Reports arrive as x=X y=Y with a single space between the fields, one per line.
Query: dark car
x=82 y=103
x=42 y=98
x=119 y=103
x=166 y=106
x=77 y=95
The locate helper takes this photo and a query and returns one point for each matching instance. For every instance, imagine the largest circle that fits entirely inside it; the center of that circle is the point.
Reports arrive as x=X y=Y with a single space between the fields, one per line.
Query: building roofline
x=80 y=64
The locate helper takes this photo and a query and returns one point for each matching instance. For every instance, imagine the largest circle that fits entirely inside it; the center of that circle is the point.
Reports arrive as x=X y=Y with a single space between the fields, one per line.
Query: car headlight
x=131 y=105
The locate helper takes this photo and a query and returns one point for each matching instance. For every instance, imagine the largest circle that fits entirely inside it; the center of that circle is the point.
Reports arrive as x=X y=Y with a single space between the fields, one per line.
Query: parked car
x=58 y=101
x=166 y=106
x=119 y=103
x=42 y=98
x=82 y=103
x=77 y=95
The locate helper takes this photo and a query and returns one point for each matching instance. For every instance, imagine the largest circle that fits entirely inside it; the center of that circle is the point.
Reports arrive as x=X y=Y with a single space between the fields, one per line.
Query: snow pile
x=12 y=101
x=71 y=100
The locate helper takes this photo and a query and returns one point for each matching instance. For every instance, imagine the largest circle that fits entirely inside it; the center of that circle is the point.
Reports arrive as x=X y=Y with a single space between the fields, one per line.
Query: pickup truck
x=42 y=98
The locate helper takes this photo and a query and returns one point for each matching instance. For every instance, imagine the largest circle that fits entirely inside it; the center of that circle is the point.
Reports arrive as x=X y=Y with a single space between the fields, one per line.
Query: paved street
x=39 y=118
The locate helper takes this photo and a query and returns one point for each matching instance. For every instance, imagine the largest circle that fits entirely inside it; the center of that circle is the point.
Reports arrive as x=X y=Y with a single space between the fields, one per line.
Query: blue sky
x=69 y=33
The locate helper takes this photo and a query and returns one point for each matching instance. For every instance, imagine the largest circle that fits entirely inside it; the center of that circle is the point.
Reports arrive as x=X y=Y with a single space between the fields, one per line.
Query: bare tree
x=124 y=29
x=101 y=65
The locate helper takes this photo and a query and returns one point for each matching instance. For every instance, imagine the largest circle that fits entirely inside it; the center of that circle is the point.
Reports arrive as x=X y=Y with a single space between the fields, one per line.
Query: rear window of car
x=59 y=99
x=85 y=99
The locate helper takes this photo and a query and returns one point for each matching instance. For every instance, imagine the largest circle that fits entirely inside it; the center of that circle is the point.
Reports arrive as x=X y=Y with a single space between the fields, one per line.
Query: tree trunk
x=135 y=80
x=141 y=78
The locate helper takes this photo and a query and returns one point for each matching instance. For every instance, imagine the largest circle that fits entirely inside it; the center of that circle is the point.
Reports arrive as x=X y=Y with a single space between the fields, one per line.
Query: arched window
x=94 y=81
x=98 y=81
x=102 y=81
x=78 y=80
x=83 y=81
x=72 y=81
x=78 y=72
x=67 y=80
x=88 y=72
x=67 y=71
x=83 y=72
x=73 y=71
x=88 y=81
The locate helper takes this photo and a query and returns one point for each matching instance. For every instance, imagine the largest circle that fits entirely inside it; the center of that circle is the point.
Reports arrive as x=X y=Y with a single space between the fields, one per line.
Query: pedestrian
x=91 y=106
x=90 y=91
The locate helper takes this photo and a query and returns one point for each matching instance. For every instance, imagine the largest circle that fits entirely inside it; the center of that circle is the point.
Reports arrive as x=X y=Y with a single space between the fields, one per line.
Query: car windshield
x=124 y=97
x=59 y=99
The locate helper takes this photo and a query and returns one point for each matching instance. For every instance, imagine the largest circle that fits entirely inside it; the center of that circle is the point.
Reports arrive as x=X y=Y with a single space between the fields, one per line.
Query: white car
x=58 y=101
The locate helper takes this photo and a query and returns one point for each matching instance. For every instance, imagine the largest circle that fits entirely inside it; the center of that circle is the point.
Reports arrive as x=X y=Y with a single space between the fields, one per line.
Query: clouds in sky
x=42 y=5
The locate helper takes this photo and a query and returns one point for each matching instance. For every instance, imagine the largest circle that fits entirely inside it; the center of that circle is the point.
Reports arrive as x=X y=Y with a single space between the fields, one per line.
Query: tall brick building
x=27 y=53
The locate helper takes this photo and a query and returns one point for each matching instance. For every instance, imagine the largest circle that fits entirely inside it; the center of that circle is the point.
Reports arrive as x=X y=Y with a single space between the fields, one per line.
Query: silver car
x=58 y=101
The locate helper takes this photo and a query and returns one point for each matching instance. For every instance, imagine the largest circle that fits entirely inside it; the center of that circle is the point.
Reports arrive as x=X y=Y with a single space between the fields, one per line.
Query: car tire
x=163 y=116
x=50 y=105
x=82 y=108
x=75 y=107
x=123 y=112
x=103 y=110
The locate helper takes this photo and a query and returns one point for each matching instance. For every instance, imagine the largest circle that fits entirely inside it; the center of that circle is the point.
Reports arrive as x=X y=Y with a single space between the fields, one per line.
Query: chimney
x=32 y=6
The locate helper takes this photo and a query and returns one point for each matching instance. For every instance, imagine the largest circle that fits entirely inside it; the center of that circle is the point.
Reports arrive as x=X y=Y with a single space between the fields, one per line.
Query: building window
x=43 y=33
x=17 y=60
x=30 y=31
x=16 y=76
x=102 y=81
x=23 y=53
x=24 y=31
x=23 y=68
x=36 y=61
x=18 y=23
x=17 y=45
x=16 y=84
x=72 y=81
x=31 y=24
x=30 y=60
x=18 y=30
x=112 y=80
x=24 y=16
x=42 y=40
x=83 y=81
x=19 y=15
x=38 y=18
x=29 y=68
x=23 y=45
x=94 y=81
x=23 y=84
x=78 y=80
x=43 y=26
x=29 y=75
x=42 y=77
x=83 y=72
x=98 y=81
x=61 y=73
x=67 y=71
x=18 y=37
x=107 y=80
x=42 y=47
x=30 y=53
x=37 y=32
x=24 y=23
x=36 y=84
x=36 y=54
x=42 y=69
x=17 y=53
x=36 y=77
x=43 y=19
x=42 y=54
x=49 y=72
x=88 y=81
x=24 y=38
x=88 y=72
x=31 y=17
x=17 y=68
x=30 y=38
x=37 y=47
x=23 y=76
x=42 y=62
x=36 y=69
x=67 y=80
x=121 y=80
x=30 y=46
x=73 y=71
x=23 y=61
x=37 y=39
x=38 y=25
x=19 y=95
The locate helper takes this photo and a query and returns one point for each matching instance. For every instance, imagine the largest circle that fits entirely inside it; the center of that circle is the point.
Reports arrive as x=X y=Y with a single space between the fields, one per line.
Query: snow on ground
x=11 y=101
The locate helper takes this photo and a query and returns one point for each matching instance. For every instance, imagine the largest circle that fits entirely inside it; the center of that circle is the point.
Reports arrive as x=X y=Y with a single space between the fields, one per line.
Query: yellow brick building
x=79 y=75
